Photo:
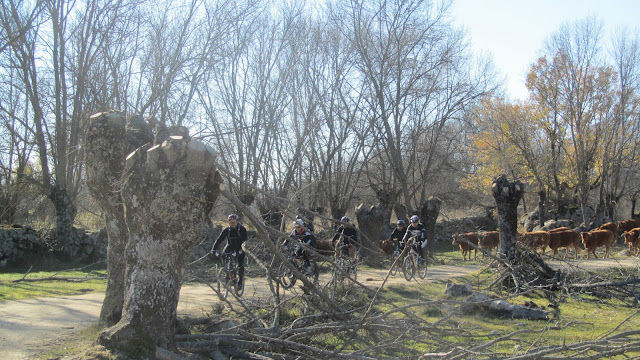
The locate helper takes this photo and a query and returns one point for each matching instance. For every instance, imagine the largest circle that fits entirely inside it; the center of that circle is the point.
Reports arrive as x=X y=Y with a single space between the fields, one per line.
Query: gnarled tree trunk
x=507 y=195
x=110 y=137
x=370 y=220
x=429 y=212
x=168 y=190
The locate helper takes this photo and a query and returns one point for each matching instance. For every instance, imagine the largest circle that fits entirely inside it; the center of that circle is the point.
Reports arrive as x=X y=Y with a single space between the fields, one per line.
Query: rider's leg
x=419 y=250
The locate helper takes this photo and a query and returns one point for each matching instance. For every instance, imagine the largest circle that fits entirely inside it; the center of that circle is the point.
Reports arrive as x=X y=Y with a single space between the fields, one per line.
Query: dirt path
x=30 y=327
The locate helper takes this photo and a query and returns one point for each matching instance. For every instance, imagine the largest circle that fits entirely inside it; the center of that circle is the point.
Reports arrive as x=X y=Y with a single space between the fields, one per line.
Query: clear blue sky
x=513 y=32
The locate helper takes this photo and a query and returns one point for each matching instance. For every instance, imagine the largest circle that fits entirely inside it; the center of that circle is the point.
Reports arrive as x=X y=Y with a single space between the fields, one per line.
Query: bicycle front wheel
x=286 y=276
x=223 y=284
x=408 y=267
x=422 y=267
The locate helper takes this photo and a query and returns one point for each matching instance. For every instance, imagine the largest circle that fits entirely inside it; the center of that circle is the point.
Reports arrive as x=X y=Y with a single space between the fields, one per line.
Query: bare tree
x=52 y=56
x=410 y=59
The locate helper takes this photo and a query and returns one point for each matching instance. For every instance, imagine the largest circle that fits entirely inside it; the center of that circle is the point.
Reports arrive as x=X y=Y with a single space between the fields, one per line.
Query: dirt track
x=30 y=327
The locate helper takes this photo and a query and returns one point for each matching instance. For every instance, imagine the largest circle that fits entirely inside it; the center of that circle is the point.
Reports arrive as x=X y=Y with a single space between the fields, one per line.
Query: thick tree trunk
x=110 y=138
x=507 y=195
x=429 y=212
x=168 y=191
x=65 y=214
x=542 y=210
x=370 y=220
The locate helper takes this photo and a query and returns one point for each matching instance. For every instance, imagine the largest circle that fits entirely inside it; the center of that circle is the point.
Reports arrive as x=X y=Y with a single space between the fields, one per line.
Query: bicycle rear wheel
x=223 y=284
x=408 y=267
x=422 y=267
x=239 y=290
x=394 y=268
x=315 y=273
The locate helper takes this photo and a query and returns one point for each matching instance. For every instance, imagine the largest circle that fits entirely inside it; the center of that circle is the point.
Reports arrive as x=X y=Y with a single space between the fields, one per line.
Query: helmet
x=401 y=222
x=298 y=223
x=415 y=218
x=232 y=217
x=345 y=219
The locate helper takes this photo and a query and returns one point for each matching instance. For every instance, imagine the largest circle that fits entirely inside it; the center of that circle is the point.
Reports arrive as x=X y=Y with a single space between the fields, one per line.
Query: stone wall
x=23 y=245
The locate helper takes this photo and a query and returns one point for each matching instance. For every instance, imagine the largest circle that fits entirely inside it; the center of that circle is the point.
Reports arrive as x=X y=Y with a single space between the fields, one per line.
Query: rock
x=458 y=289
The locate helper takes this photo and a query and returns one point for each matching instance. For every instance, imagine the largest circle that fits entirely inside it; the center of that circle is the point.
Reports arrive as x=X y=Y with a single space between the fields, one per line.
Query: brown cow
x=564 y=239
x=611 y=226
x=596 y=238
x=324 y=247
x=489 y=241
x=388 y=247
x=564 y=228
x=626 y=225
x=535 y=240
x=631 y=238
x=465 y=248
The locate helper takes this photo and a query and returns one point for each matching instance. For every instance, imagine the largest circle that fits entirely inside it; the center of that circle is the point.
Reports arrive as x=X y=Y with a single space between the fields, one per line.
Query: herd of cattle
x=603 y=236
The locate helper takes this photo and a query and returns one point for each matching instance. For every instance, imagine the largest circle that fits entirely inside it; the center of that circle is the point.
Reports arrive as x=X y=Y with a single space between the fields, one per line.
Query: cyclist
x=420 y=241
x=349 y=235
x=304 y=236
x=307 y=225
x=236 y=234
x=398 y=235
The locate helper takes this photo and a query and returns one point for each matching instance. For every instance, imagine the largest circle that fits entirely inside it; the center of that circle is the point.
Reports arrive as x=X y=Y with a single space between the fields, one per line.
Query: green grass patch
x=18 y=286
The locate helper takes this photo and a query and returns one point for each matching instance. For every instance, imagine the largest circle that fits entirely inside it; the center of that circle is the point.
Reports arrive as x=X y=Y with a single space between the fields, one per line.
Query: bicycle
x=287 y=278
x=394 y=256
x=413 y=261
x=228 y=275
x=346 y=266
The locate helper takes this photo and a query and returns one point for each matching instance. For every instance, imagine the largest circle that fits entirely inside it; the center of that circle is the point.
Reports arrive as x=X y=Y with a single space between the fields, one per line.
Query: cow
x=626 y=225
x=465 y=248
x=324 y=247
x=564 y=228
x=564 y=239
x=388 y=247
x=631 y=238
x=489 y=241
x=596 y=238
x=535 y=240
x=611 y=226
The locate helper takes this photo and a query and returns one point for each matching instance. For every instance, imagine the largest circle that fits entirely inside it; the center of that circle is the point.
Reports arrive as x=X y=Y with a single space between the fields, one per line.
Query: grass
x=579 y=317
x=15 y=285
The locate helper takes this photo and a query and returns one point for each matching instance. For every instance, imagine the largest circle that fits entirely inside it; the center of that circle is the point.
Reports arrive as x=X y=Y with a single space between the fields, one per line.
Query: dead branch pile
x=353 y=321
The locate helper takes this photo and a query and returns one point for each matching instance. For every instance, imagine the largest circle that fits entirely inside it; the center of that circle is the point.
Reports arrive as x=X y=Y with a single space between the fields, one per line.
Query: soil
x=30 y=328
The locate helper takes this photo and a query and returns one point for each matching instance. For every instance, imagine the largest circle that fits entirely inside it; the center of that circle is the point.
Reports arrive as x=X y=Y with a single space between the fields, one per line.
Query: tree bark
x=429 y=212
x=370 y=220
x=507 y=195
x=168 y=191
x=65 y=214
x=109 y=139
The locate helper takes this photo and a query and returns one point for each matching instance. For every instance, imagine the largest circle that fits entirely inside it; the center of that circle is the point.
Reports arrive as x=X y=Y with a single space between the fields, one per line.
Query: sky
x=513 y=32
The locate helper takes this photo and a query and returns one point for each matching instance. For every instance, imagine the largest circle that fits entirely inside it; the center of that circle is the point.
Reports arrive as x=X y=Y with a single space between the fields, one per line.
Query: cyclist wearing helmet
x=398 y=234
x=421 y=240
x=304 y=236
x=349 y=235
x=236 y=234
x=307 y=225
